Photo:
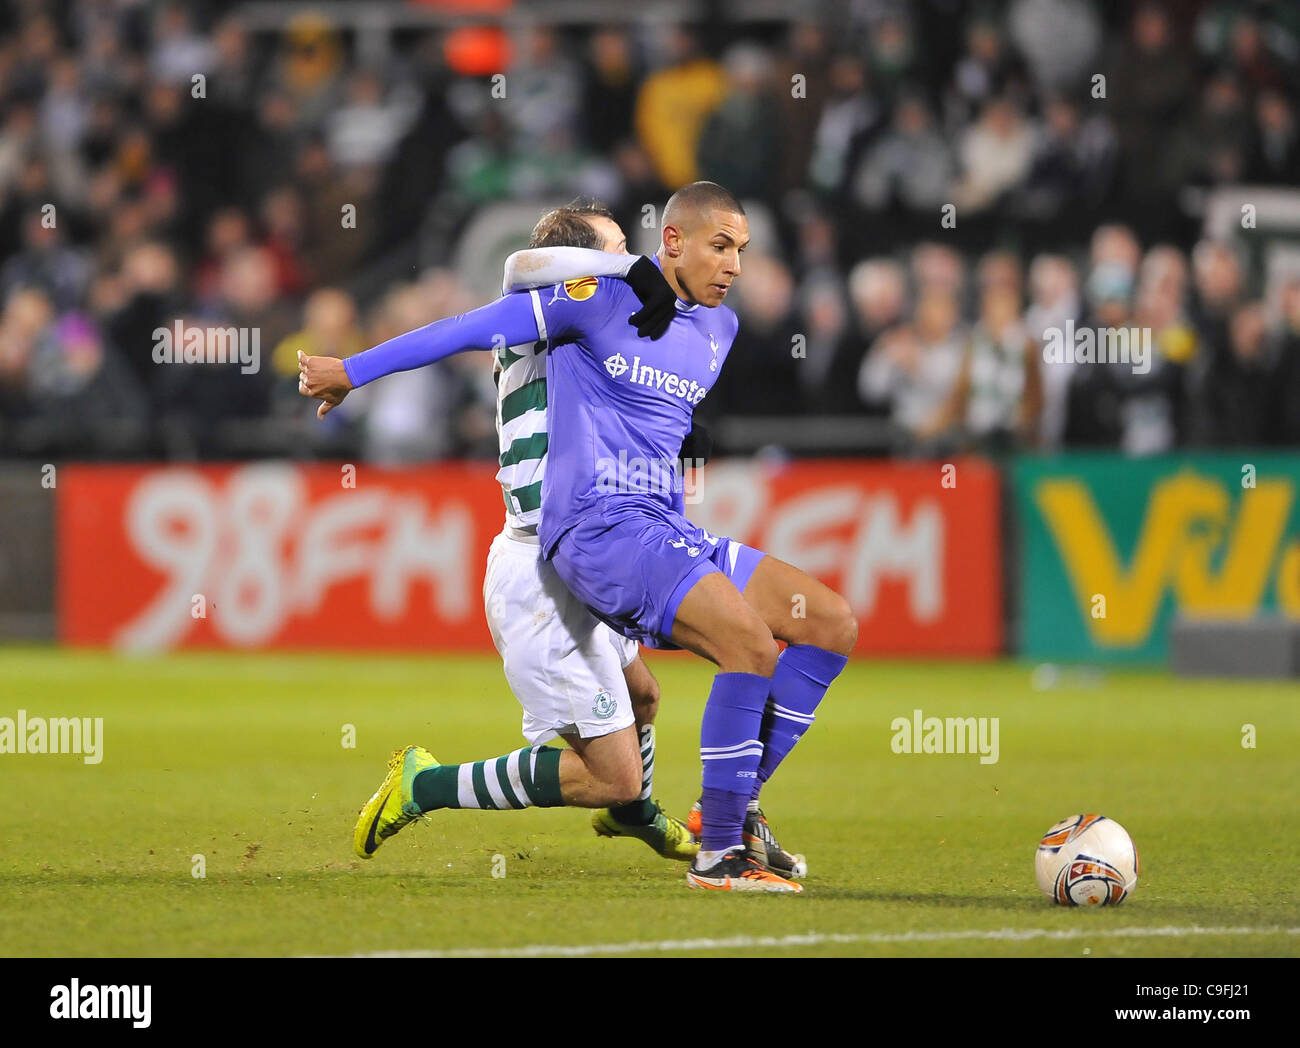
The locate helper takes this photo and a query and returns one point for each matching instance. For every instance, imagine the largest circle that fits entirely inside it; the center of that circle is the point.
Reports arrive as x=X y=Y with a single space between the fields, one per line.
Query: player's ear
x=673 y=241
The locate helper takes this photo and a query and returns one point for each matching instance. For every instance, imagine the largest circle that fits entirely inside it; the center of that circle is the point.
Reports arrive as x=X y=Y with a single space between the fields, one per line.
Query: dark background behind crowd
x=319 y=186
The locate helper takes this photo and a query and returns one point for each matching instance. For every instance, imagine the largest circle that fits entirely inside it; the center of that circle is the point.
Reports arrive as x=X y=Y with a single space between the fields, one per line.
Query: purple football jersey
x=620 y=405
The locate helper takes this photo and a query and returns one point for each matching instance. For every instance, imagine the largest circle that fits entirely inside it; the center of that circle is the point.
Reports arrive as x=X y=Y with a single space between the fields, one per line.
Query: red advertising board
x=280 y=555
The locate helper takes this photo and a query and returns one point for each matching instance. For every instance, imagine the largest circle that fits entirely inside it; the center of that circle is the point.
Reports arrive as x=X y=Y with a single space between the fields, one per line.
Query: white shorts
x=564 y=665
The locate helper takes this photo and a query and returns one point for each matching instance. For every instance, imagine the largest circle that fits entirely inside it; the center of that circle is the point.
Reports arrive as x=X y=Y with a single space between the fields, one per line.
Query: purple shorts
x=632 y=569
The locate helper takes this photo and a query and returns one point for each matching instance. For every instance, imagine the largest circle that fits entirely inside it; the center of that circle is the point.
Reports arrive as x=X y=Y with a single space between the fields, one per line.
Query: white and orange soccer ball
x=1087 y=860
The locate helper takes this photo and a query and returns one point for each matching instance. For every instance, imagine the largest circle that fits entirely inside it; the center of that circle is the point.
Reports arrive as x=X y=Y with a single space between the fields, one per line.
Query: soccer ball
x=1087 y=860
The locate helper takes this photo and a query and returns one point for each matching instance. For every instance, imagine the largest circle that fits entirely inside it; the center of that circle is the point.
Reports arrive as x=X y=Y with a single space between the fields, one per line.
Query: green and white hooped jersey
x=520 y=376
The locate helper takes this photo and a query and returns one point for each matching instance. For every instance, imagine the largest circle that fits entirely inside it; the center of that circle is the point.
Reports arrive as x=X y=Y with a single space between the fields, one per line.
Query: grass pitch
x=240 y=759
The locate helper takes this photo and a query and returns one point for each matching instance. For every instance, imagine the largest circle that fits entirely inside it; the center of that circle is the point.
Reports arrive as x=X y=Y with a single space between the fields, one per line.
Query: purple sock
x=730 y=752
x=803 y=673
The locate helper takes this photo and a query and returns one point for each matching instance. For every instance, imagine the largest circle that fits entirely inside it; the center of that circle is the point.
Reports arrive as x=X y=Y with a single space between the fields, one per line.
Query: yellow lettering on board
x=1185 y=523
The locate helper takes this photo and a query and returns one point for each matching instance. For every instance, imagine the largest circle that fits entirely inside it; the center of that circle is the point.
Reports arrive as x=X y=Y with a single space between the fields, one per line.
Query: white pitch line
x=741 y=942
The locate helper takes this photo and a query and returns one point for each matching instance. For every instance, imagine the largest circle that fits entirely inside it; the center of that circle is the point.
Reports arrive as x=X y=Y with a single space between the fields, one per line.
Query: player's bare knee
x=841 y=627
x=755 y=651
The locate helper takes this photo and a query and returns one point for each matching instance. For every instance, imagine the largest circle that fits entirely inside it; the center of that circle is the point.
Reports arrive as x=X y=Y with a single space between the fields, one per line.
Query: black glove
x=658 y=301
x=697 y=446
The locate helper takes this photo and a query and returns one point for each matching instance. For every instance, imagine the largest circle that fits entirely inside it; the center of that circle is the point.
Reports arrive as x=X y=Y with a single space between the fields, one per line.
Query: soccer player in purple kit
x=613 y=527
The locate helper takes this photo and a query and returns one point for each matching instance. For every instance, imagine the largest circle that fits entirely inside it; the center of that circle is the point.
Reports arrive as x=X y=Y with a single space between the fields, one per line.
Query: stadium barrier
x=27 y=551
x=1266 y=646
x=287 y=556
x=1105 y=553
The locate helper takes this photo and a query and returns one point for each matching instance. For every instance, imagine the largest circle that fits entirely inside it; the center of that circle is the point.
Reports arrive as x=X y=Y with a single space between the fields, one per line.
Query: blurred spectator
x=914 y=368
x=805 y=55
x=1219 y=285
x=187 y=144
x=1059 y=39
x=1116 y=245
x=909 y=169
x=995 y=157
x=1288 y=364
x=609 y=89
x=938 y=268
x=1152 y=415
x=178 y=50
x=1251 y=59
x=26 y=315
x=1071 y=171
x=739 y=147
x=1165 y=267
x=1241 y=406
x=1215 y=140
x=821 y=305
x=405 y=417
x=986 y=71
x=335 y=209
x=228 y=231
x=285 y=239
x=482 y=168
x=1275 y=153
x=250 y=297
x=330 y=328
x=268 y=145
x=891 y=52
x=878 y=294
x=234 y=78
x=767 y=380
x=1000 y=271
x=47 y=263
x=1054 y=287
x=310 y=68
x=64 y=110
x=17 y=139
x=848 y=118
x=1153 y=75
x=999 y=394
x=1096 y=390
x=146 y=295
x=547 y=88
x=367 y=128
x=61 y=390
x=673 y=105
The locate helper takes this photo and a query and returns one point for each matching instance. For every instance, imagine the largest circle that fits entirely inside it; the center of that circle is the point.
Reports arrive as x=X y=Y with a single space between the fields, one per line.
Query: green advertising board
x=1111 y=548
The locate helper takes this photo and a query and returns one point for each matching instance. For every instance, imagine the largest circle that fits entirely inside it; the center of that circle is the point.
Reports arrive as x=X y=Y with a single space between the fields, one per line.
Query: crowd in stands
x=942 y=188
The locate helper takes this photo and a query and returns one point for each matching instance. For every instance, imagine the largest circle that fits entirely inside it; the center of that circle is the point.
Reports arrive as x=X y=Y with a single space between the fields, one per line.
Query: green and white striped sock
x=641 y=811
x=647 y=760
x=528 y=777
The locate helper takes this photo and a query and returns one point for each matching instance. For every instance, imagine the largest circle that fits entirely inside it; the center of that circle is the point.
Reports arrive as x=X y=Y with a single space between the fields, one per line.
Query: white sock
x=705 y=859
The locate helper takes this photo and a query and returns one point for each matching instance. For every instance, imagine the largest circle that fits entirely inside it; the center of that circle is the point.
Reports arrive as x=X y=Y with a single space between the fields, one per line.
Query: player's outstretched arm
x=544 y=266
x=507 y=321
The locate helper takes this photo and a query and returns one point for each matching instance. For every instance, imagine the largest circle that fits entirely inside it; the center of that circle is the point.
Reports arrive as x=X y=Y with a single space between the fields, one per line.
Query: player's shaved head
x=704 y=232
x=696 y=202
